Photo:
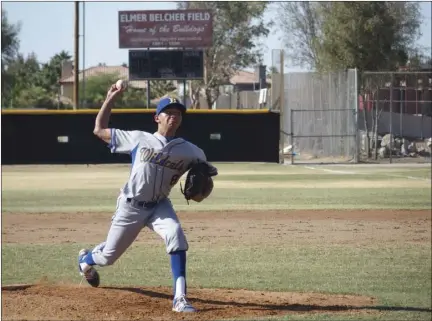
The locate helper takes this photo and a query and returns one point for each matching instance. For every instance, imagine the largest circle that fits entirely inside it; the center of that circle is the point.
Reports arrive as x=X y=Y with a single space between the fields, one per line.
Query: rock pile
x=400 y=146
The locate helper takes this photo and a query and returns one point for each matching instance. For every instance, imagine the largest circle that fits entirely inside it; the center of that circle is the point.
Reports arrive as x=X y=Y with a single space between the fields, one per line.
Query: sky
x=48 y=28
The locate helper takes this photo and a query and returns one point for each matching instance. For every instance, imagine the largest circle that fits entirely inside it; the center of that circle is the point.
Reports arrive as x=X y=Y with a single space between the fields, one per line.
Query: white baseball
x=121 y=84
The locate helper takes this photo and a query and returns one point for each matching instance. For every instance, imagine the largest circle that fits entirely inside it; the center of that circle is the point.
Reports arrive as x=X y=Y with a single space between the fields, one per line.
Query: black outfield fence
x=66 y=136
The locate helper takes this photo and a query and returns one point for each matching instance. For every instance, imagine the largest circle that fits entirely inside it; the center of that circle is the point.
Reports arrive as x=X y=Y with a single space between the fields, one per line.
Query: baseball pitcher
x=158 y=161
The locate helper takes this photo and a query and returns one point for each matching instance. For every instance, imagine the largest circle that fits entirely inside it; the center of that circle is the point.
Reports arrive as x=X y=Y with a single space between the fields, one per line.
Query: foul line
x=347 y=172
x=330 y=170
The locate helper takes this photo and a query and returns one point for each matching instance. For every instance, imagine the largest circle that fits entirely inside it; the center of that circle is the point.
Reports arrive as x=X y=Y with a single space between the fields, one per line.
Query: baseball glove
x=199 y=182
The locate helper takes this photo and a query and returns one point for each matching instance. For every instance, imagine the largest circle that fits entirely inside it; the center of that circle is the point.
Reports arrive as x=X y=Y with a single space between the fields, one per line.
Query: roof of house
x=92 y=71
x=241 y=77
x=123 y=73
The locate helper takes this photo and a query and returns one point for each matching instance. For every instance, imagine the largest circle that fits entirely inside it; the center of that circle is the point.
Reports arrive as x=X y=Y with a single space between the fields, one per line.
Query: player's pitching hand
x=114 y=91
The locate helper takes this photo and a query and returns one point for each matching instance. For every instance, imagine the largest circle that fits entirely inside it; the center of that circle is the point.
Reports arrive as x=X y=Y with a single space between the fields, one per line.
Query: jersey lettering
x=157 y=164
x=159 y=158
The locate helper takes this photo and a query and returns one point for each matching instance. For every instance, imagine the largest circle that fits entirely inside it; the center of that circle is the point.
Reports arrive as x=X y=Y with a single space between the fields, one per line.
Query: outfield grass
x=226 y=199
x=397 y=274
x=264 y=187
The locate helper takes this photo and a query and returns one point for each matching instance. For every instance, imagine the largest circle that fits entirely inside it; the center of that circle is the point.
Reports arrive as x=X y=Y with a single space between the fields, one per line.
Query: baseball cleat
x=91 y=275
x=180 y=304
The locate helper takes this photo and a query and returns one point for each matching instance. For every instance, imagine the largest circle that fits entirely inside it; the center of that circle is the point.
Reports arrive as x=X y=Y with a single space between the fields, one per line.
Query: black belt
x=142 y=204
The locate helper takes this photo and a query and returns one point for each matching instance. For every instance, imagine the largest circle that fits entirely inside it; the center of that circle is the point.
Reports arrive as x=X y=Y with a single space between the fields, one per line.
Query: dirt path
x=248 y=227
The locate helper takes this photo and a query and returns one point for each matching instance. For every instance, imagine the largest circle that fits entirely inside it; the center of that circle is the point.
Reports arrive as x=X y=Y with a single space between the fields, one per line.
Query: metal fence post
x=401 y=110
x=356 y=111
x=84 y=104
x=391 y=118
x=292 y=135
x=76 y=58
x=421 y=112
x=421 y=127
x=282 y=108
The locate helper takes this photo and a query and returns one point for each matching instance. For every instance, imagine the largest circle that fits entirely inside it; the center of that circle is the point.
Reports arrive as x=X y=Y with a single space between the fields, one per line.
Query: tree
x=51 y=71
x=9 y=51
x=237 y=28
x=24 y=75
x=160 y=88
x=9 y=39
x=271 y=71
x=419 y=60
x=27 y=90
x=368 y=36
x=34 y=97
x=25 y=81
x=338 y=35
x=29 y=78
x=300 y=24
x=96 y=88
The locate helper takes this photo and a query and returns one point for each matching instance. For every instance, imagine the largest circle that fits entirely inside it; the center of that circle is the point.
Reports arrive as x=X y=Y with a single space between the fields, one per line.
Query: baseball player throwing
x=158 y=161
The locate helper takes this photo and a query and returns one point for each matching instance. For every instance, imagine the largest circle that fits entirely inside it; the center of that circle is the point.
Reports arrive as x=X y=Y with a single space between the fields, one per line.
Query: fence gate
x=320 y=118
x=324 y=136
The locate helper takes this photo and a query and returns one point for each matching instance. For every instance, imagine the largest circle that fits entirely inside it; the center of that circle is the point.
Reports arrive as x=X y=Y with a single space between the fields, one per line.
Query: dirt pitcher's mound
x=70 y=302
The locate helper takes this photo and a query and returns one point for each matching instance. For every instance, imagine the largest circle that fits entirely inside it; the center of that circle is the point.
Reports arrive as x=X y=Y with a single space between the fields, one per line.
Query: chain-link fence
x=395 y=116
x=319 y=119
x=246 y=99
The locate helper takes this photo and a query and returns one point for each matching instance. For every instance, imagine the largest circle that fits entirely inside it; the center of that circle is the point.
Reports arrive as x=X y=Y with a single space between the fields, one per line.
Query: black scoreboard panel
x=166 y=64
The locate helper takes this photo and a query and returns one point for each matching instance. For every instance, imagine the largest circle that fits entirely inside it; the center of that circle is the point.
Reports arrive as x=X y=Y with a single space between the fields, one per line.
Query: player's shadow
x=273 y=307
x=152 y=294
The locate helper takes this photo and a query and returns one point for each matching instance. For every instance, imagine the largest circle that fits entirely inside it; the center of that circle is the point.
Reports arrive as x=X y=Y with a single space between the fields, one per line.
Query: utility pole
x=83 y=62
x=76 y=58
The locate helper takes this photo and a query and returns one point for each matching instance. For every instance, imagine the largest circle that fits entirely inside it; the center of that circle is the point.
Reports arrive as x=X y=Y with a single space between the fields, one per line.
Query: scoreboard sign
x=166 y=64
x=192 y=28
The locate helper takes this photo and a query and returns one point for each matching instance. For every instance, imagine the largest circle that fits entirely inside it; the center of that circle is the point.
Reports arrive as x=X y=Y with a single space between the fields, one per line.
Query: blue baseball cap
x=169 y=102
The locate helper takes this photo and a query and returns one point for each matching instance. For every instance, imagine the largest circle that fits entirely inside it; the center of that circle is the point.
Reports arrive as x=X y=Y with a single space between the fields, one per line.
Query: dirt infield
x=74 y=303
x=63 y=301
x=247 y=227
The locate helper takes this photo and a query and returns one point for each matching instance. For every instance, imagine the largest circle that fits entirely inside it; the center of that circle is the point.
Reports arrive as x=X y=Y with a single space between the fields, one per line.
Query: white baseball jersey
x=157 y=163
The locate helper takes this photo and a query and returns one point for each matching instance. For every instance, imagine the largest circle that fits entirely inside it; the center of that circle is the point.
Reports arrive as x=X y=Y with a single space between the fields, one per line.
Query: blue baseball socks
x=87 y=262
x=178 y=268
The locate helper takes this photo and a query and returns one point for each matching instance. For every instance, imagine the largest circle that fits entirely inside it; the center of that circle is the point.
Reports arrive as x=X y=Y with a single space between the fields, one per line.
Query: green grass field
x=390 y=261
x=240 y=186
